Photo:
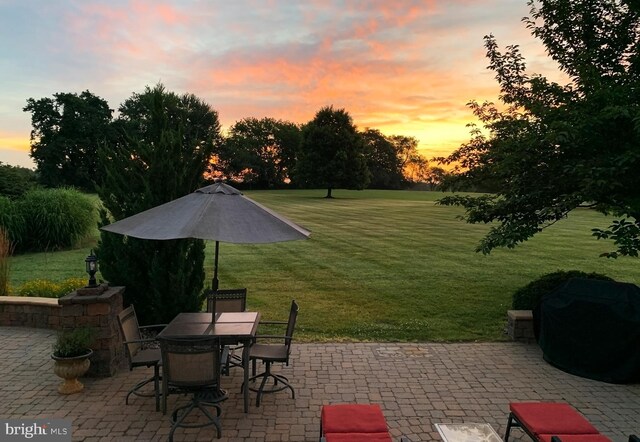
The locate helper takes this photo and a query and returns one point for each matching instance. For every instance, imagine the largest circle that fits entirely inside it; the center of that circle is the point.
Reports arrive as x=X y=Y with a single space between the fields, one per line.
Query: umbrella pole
x=215 y=282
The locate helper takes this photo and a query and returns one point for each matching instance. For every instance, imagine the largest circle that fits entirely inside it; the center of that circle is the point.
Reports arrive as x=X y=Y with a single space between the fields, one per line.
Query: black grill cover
x=591 y=328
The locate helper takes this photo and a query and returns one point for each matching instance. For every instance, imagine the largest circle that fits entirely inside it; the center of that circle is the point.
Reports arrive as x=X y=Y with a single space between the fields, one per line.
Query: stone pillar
x=97 y=308
x=520 y=326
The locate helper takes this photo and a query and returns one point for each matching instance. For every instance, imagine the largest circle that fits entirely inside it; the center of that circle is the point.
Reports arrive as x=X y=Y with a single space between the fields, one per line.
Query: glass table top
x=467 y=433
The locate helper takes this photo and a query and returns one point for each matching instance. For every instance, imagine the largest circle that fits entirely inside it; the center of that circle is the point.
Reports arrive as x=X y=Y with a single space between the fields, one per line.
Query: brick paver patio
x=417 y=385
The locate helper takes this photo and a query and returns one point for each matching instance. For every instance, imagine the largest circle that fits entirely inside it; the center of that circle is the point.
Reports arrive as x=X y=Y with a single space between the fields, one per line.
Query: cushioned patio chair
x=273 y=353
x=354 y=423
x=138 y=352
x=544 y=421
x=191 y=365
x=228 y=301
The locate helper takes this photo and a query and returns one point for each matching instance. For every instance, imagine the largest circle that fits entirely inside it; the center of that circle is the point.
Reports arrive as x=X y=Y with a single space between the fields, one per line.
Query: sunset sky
x=404 y=67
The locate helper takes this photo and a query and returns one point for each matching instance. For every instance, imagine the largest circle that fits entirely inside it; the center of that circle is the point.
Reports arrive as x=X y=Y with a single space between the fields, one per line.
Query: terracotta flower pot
x=70 y=369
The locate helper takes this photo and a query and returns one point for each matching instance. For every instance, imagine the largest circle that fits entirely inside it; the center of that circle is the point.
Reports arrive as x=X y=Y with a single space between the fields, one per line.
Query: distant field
x=383 y=265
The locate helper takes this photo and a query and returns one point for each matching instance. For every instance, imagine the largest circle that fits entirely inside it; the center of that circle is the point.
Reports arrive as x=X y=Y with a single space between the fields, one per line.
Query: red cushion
x=353 y=418
x=551 y=418
x=575 y=437
x=358 y=437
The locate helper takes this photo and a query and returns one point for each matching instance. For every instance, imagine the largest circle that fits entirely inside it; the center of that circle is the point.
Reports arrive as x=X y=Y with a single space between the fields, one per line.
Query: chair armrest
x=274 y=322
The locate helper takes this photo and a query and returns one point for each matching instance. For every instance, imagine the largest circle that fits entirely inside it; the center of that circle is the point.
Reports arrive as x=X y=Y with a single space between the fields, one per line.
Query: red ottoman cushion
x=353 y=418
x=576 y=437
x=358 y=437
x=551 y=418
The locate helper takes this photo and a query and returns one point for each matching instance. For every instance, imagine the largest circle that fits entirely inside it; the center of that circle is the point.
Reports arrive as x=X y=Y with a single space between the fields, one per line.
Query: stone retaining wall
x=83 y=308
x=35 y=312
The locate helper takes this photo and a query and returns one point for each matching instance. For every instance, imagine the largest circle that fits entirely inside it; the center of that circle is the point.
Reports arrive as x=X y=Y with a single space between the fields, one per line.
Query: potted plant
x=71 y=353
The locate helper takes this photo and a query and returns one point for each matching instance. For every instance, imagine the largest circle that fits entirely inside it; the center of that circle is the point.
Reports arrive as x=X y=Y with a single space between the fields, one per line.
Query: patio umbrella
x=217 y=212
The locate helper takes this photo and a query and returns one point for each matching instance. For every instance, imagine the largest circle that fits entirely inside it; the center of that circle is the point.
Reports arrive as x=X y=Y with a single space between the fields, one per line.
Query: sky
x=405 y=67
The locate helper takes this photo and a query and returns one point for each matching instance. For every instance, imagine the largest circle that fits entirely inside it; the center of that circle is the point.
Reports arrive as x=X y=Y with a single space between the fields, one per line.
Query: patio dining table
x=231 y=328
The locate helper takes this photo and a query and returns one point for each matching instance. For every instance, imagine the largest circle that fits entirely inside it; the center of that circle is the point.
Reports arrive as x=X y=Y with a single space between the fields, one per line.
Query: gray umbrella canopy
x=217 y=212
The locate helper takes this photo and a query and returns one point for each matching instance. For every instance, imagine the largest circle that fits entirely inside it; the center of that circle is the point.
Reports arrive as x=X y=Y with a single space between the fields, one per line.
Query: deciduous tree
x=331 y=153
x=261 y=152
x=67 y=130
x=551 y=148
x=383 y=161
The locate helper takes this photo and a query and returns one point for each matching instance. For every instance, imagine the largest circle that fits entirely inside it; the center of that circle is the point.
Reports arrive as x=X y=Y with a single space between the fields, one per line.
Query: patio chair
x=191 y=365
x=223 y=301
x=354 y=423
x=139 y=355
x=227 y=300
x=270 y=353
x=547 y=421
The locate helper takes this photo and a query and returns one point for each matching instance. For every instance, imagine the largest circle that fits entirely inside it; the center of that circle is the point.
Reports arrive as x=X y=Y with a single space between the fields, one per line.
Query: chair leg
x=508 y=430
x=262 y=384
x=156 y=385
x=277 y=378
x=165 y=393
x=139 y=385
x=179 y=414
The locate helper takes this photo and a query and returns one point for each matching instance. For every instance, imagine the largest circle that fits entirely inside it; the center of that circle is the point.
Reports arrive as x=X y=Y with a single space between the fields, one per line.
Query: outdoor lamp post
x=91 y=265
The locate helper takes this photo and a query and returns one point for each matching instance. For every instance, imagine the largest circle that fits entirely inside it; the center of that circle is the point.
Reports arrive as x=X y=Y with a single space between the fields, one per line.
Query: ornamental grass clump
x=56 y=218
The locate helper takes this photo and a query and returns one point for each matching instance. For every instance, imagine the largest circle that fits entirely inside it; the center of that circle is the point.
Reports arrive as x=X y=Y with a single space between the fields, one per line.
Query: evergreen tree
x=163 y=144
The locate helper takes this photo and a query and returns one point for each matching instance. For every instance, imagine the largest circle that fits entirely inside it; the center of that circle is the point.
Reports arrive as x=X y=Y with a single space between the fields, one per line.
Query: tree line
x=69 y=130
x=162 y=145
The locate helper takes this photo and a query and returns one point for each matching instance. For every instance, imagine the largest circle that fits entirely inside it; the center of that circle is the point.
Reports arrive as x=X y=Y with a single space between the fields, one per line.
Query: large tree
x=551 y=148
x=332 y=153
x=163 y=144
x=261 y=152
x=415 y=167
x=67 y=130
x=383 y=161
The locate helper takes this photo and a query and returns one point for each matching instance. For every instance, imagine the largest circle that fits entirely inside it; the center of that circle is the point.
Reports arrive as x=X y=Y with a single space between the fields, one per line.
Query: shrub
x=16 y=180
x=49 y=289
x=73 y=342
x=56 y=218
x=11 y=219
x=528 y=297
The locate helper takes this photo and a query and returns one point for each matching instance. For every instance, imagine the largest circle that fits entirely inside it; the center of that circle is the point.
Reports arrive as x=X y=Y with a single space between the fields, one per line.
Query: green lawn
x=383 y=265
